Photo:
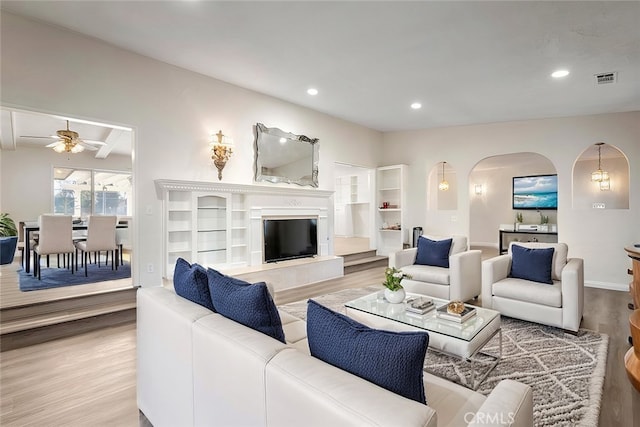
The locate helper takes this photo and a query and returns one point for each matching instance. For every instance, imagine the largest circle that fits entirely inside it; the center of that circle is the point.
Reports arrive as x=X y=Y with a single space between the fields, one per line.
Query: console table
x=525 y=236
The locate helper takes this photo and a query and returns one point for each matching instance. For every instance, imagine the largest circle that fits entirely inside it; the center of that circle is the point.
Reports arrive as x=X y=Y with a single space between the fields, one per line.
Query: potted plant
x=8 y=239
x=394 y=292
x=518 y=221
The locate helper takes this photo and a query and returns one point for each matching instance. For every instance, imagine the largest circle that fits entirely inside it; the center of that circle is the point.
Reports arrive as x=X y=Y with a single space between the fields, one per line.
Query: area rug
x=566 y=372
x=59 y=277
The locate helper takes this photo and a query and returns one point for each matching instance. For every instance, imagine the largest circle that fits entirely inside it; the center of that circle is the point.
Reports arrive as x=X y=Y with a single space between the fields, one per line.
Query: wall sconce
x=221 y=149
x=478 y=189
x=600 y=176
x=444 y=185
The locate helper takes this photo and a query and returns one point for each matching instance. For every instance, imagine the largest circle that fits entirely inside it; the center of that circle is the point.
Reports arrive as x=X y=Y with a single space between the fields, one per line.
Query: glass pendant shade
x=444 y=185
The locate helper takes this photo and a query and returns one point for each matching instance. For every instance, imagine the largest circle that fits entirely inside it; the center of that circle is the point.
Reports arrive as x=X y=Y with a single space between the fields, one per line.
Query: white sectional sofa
x=198 y=368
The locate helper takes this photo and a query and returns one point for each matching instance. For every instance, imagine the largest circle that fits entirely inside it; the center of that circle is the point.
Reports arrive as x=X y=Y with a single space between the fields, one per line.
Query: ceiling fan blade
x=47 y=137
x=91 y=141
x=86 y=146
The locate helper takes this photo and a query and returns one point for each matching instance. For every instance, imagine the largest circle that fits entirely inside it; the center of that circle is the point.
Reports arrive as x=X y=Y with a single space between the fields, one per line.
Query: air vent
x=606 y=78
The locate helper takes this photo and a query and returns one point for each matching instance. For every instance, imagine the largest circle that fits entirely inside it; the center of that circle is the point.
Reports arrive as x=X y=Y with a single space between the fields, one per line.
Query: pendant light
x=444 y=185
x=600 y=176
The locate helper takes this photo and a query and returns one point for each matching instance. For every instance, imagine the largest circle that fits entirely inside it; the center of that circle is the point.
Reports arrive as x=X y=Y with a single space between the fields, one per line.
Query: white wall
x=596 y=235
x=172 y=112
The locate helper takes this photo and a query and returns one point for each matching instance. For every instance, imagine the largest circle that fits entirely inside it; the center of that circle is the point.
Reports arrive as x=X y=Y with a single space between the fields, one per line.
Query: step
x=358 y=255
x=365 y=263
x=43 y=314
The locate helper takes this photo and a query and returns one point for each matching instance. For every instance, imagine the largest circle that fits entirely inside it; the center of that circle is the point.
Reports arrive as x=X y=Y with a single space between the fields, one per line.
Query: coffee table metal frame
x=462 y=340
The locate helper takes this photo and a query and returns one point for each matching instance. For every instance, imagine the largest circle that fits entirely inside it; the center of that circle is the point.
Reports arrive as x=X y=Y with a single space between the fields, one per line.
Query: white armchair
x=461 y=281
x=559 y=304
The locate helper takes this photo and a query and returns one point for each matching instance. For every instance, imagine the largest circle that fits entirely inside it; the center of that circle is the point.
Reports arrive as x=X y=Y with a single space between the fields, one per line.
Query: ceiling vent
x=606 y=78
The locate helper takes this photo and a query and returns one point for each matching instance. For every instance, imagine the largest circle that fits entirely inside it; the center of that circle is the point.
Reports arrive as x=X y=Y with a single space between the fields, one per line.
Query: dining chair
x=101 y=236
x=54 y=237
x=123 y=238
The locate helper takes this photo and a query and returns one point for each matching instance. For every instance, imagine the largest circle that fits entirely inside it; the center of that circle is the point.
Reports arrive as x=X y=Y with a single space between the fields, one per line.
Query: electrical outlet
x=149 y=210
x=149 y=268
x=598 y=206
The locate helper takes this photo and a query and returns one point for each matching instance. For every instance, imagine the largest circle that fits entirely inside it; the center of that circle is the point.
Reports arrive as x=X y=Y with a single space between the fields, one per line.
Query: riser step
x=62 y=311
x=365 y=264
x=358 y=255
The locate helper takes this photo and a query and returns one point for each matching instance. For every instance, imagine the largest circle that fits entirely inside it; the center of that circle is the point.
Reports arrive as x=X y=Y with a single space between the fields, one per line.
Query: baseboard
x=607 y=285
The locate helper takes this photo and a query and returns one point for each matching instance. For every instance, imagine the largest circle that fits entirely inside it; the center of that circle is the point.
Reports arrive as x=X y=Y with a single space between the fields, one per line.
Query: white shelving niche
x=391 y=209
x=209 y=228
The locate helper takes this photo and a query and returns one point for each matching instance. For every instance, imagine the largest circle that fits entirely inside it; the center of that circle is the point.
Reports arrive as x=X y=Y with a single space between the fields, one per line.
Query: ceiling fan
x=69 y=141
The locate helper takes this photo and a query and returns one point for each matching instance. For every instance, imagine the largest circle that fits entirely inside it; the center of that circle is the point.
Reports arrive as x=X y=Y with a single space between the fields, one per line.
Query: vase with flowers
x=394 y=292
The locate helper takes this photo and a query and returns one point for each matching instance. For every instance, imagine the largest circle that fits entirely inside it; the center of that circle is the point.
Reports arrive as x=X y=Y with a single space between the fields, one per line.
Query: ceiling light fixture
x=416 y=106
x=312 y=91
x=600 y=176
x=444 y=185
x=558 y=74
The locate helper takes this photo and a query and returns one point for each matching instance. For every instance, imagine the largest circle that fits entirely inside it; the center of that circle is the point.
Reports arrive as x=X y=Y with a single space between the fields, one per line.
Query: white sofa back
x=198 y=368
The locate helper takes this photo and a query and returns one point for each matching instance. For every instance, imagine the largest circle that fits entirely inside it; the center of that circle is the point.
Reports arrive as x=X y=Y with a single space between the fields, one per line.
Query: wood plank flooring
x=89 y=379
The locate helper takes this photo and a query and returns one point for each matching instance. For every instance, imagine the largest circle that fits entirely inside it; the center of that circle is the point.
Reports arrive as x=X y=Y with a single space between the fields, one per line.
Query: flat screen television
x=535 y=192
x=290 y=238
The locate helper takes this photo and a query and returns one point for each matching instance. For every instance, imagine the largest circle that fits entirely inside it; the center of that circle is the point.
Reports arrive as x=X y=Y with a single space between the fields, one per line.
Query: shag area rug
x=566 y=372
x=58 y=277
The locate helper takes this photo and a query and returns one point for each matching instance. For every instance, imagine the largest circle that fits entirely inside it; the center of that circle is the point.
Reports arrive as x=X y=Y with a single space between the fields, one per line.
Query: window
x=83 y=192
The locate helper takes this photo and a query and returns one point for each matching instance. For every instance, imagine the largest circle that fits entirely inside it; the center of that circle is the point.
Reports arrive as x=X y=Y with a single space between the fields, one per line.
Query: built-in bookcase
x=391 y=209
x=207 y=228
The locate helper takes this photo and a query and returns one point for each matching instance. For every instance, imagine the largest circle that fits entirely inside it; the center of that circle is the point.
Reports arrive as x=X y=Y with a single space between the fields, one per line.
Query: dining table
x=33 y=226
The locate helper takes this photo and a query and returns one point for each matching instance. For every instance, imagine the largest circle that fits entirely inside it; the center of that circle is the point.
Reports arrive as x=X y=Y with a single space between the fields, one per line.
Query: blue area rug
x=59 y=277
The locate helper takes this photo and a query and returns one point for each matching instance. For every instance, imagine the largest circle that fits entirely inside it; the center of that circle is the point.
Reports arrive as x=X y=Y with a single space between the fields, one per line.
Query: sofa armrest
x=493 y=270
x=572 y=294
x=464 y=275
x=509 y=404
x=402 y=258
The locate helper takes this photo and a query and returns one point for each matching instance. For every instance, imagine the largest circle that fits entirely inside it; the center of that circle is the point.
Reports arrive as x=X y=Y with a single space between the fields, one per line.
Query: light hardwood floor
x=89 y=379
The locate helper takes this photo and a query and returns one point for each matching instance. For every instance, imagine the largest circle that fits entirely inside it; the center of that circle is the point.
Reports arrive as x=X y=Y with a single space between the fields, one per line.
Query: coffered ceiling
x=465 y=62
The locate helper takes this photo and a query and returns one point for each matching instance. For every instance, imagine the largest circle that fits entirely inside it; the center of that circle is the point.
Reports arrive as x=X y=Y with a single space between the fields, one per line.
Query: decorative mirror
x=285 y=157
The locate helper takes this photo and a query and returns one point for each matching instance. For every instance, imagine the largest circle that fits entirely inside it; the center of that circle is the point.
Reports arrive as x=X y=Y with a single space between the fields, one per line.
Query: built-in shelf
x=391 y=184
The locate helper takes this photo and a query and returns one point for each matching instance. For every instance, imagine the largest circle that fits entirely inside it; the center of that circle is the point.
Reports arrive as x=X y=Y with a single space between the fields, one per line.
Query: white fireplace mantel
x=180 y=185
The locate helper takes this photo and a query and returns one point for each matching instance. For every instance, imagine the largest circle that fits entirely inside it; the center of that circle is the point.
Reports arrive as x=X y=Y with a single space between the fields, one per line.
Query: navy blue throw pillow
x=531 y=264
x=391 y=360
x=248 y=304
x=433 y=252
x=190 y=282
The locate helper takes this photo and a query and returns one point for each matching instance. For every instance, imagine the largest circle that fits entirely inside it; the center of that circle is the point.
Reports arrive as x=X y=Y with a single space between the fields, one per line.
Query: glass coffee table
x=463 y=340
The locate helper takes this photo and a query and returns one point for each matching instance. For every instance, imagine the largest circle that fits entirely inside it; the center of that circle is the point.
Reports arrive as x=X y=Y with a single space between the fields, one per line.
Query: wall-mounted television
x=535 y=192
x=290 y=238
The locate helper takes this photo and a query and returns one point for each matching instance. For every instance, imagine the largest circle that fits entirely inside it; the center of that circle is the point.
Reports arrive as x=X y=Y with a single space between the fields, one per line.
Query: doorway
x=38 y=179
x=353 y=209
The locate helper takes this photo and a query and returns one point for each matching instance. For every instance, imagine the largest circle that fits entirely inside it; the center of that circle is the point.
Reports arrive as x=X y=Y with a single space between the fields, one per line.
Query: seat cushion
x=531 y=264
x=246 y=303
x=428 y=274
x=392 y=360
x=190 y=282
x=528 y=291
x=433 y=252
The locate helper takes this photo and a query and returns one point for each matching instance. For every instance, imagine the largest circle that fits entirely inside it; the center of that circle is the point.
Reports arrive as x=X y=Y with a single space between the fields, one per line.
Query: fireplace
x=289 y=238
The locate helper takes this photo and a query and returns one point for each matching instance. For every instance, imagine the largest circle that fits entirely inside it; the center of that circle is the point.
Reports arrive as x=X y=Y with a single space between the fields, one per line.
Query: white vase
x=395 y=297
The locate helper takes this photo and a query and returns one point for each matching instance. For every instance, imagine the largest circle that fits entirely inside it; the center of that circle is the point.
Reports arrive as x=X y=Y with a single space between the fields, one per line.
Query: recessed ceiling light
x=559 y=74
x=416 y=106
x=312 y=91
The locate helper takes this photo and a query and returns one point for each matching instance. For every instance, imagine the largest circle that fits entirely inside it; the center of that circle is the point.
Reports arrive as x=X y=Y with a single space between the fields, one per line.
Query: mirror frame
x=262 y=132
